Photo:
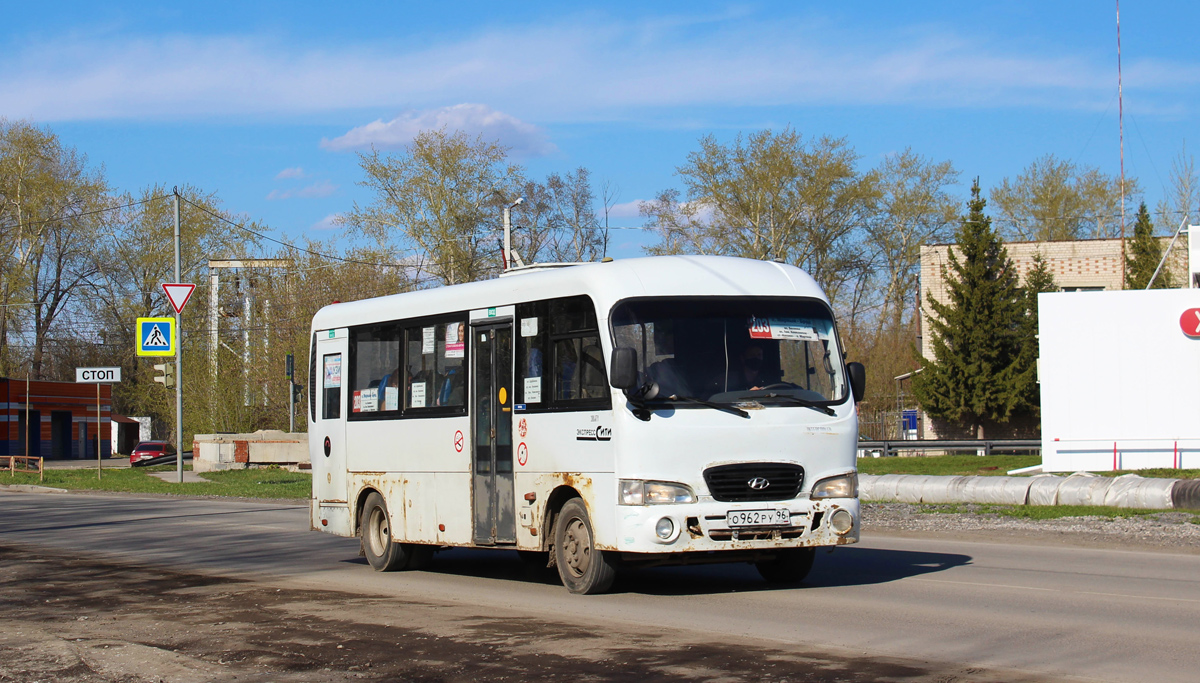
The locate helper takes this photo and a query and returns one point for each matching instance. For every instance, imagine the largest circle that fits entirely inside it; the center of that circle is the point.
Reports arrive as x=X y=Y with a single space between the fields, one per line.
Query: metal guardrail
x=27 y=460
x=892 y=447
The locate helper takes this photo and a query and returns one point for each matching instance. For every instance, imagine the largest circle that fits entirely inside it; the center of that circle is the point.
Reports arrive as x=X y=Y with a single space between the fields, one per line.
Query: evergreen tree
x=981 y=371
x=1144 y=253
x=1039 y=279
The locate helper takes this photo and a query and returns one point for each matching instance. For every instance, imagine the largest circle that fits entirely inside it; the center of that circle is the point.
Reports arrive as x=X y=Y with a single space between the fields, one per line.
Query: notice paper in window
x=533 y=389
x=428 y=339
x=418 y=394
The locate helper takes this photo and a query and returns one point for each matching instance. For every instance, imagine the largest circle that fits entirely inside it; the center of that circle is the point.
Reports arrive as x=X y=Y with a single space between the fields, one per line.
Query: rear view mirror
x=623 y=371
x=858 y=380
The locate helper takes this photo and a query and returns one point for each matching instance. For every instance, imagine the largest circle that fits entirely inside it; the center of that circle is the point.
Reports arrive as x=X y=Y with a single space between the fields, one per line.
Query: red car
x=151 y=453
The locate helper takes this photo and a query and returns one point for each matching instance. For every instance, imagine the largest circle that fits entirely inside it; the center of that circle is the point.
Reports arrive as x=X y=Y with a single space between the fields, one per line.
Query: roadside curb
x=30 y=488
x=1080 y=488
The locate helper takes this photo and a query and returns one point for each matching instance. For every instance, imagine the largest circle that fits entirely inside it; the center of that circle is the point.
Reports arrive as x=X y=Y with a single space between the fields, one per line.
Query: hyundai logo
x=758 y=483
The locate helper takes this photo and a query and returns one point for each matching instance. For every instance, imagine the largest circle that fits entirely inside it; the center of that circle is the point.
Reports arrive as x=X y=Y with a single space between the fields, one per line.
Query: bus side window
x=434 y=371
x=331 y=401
x=375 y=353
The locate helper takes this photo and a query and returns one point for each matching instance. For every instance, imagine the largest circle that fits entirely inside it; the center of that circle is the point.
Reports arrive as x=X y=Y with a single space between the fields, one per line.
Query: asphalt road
x=1053 y=610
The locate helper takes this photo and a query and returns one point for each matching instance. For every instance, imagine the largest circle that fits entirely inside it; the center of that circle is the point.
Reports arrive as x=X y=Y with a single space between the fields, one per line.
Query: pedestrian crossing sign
x=156 y=336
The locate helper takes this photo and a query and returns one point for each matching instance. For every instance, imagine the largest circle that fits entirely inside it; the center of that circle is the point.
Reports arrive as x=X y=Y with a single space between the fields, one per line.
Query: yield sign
x=178 y=293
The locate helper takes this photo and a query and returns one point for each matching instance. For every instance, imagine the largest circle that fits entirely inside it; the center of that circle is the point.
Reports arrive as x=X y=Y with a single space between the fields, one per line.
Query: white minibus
x=648 y=411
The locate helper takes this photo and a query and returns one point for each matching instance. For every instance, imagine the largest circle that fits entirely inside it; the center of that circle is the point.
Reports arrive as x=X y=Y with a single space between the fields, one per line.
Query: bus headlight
x=638 y=492
x=841 y=486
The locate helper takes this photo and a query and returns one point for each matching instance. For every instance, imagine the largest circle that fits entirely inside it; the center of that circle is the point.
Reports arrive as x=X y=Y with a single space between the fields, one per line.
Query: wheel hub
x=577 y=547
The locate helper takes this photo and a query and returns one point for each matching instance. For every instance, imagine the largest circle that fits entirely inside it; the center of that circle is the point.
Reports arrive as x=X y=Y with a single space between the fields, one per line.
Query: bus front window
x=729 y=349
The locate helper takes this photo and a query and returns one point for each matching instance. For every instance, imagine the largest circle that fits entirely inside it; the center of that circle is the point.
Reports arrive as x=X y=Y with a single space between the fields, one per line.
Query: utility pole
x=178 y=355
x=291 y=374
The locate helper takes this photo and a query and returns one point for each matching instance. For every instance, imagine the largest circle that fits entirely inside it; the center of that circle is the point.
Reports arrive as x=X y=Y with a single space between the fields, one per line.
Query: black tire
x=375 y=530
x=583 y=569
x=789 y=567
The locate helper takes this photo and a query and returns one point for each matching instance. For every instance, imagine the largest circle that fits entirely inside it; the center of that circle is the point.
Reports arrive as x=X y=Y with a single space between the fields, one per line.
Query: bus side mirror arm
x=858 y=380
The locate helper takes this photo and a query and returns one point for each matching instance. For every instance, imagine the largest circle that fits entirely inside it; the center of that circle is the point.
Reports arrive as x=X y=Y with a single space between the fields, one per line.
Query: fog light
x=665 y=528
x=842 y=522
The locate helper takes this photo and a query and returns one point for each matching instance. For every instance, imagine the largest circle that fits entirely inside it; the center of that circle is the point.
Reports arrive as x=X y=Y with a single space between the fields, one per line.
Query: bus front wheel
x=582 y=568
x=790 y=566
x=381 y=552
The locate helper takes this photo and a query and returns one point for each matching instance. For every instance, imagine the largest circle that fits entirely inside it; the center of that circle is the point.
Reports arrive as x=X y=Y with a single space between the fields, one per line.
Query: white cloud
x=316 y=190
x=575 y=70
x=329 y=222
x=522 y=138
x=293 y=172
x=626 y=209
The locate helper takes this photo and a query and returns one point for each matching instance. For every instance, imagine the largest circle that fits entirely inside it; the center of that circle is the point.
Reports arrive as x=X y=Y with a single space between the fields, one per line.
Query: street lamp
x=508 y=233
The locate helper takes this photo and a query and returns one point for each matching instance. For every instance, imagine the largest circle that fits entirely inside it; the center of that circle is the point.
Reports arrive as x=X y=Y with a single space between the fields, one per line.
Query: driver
x=746 y=372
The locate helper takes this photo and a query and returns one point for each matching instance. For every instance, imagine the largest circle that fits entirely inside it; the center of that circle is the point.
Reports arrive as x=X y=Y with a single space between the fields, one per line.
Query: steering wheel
x=781 y=385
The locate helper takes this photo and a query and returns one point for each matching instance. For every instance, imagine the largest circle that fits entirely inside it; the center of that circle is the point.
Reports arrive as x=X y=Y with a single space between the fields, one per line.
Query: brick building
x=65 y=417
x=1077 y=265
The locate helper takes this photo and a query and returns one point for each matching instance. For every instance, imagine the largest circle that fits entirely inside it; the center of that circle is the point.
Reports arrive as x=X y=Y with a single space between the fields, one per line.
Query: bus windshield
x=775 y=351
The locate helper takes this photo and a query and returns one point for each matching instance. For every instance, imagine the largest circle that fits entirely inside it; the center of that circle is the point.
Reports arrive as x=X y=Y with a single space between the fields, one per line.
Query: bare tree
x=1056 y=199
x=915 y=207
x=1182 y=199
x=439 y=201
x=770 y=196
x=49 y=199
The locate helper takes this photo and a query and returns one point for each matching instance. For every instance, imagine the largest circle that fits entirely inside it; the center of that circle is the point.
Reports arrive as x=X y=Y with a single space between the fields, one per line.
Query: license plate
x=743 y=518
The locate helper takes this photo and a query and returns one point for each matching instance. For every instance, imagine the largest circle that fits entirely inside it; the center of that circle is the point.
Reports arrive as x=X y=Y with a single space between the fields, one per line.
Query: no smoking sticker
x=522 y=454
x=458 y=441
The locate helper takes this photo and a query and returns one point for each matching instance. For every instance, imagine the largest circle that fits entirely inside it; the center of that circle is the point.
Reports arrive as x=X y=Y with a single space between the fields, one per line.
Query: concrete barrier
x=1081 y=488
x=240 y=451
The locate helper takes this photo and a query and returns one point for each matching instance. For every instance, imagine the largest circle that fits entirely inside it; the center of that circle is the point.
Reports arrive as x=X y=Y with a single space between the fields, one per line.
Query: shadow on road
x=847 y=566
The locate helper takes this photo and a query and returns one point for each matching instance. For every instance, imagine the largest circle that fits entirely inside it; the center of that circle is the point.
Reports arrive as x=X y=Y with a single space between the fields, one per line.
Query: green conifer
x=981 y=371
x=1143 y=254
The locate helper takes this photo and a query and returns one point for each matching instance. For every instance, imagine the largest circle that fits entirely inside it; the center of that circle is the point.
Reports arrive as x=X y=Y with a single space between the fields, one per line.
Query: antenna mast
x=1121 y=125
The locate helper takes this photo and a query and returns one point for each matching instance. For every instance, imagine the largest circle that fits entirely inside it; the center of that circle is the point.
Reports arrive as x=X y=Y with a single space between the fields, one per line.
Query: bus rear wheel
x=583 y=569
x=376 y=530
x=789 y=567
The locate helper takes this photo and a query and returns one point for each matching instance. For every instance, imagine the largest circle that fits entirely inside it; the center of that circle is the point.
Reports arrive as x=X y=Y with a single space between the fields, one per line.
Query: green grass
x=1158 y=472
x=1040 y=511
x=253 y=483
x=948 y=464
x=997 y=465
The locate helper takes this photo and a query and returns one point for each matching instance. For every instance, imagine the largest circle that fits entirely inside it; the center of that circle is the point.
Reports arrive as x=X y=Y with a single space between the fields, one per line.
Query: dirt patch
x=82 y=620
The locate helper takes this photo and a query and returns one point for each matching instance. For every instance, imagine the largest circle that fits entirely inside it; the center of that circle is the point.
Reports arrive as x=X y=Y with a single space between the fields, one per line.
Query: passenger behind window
x=452 y=385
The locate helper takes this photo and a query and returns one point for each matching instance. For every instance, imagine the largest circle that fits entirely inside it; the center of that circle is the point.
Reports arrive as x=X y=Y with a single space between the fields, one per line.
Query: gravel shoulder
x=1166 y=531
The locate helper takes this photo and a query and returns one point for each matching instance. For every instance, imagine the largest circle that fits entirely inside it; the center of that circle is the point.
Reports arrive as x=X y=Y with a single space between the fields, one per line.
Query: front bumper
x=701 y=527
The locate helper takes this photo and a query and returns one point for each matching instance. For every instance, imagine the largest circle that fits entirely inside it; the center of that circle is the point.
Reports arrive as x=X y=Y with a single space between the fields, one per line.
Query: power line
x=88 y=213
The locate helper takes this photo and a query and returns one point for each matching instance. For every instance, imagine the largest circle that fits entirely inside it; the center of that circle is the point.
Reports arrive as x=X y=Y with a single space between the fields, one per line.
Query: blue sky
x=266 y=103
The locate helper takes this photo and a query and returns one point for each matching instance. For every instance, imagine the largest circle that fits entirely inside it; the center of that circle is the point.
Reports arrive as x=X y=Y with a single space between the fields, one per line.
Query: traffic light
x=167 y=378
x=297 y=393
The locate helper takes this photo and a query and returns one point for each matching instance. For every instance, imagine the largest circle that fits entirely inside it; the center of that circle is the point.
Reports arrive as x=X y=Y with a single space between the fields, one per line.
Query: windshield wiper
x=793 y=399
x=719 y=406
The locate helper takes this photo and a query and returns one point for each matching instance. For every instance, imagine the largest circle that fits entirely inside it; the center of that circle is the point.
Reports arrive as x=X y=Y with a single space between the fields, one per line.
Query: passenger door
x=491 y=420
x=329 y=463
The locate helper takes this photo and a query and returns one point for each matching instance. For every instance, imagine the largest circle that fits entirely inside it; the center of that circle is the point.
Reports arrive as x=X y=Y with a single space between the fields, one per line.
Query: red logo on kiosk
x=1189 y=322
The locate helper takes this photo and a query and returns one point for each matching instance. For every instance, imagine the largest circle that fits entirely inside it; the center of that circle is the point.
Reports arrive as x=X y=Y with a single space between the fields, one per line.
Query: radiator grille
x=737 y=483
